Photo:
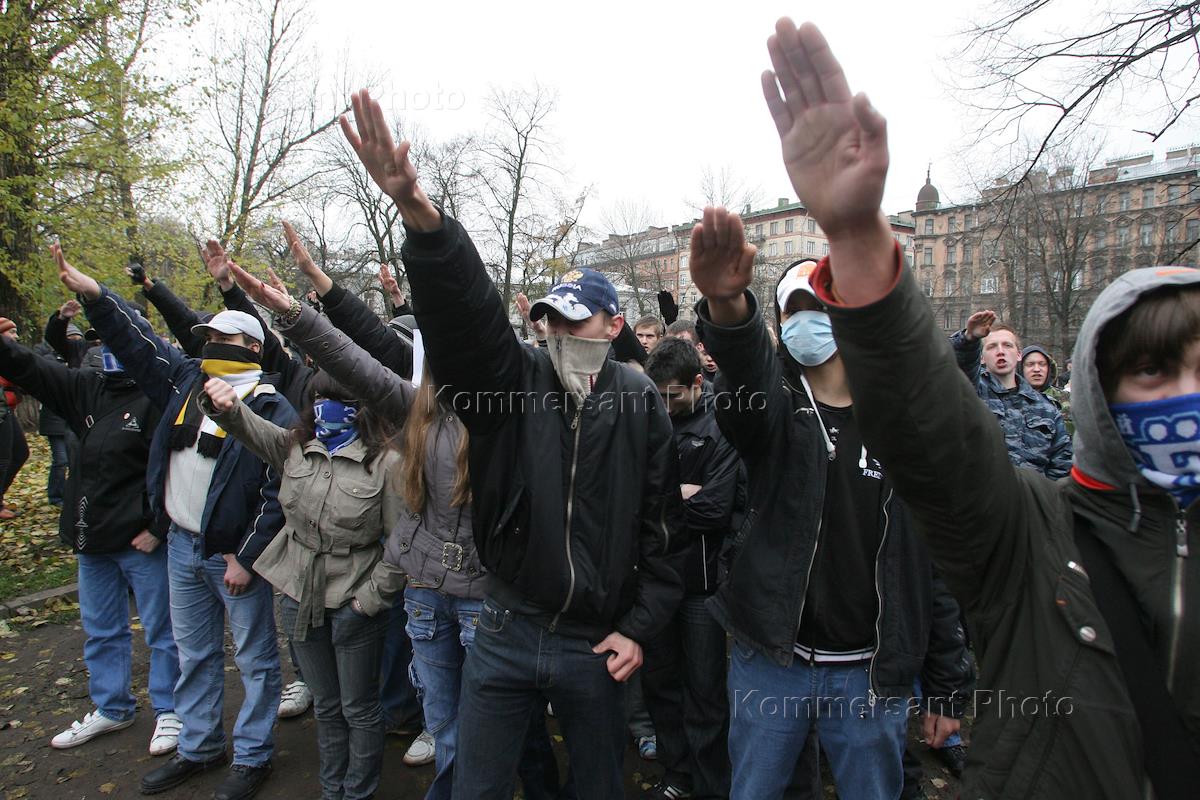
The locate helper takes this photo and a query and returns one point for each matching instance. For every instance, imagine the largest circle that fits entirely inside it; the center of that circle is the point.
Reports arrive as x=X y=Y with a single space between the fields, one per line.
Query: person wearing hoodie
x=829 y=596
x=1041 y=371
x=1084 y=594
x=106 y=520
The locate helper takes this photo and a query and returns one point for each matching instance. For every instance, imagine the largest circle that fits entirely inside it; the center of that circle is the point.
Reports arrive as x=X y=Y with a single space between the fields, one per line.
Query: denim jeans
x=683 y=678
x=199 y=603
x=104 y=583
x=772 y=709
x=441 y=628
x=513 y=668
x=399 y=698
x=56 y=480
x=340 y=662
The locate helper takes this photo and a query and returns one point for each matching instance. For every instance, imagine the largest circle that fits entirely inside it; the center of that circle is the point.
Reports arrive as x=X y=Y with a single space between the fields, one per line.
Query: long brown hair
x=375 y=430
x=425 y=411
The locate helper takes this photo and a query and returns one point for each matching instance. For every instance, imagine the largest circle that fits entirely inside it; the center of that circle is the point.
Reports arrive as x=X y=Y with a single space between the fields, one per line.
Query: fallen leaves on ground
x=31 y=556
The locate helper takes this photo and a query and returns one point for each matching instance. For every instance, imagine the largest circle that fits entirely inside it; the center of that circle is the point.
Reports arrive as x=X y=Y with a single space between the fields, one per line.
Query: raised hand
x=980 y=324
x=277 y=282
x=220 y=394
x=69 y=309
x=320 y=281
x=387 y=162
x=721 y=262
x=834 y=144
x=8 y=328
x=72 y=278
x=523 y=306
x=217 y=263
x=388 y=281
x=259 y=292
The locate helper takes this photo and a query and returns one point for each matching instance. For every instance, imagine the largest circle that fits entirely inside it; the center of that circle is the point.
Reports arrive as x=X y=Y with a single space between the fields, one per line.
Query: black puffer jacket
x=105 y=503
x=576 y=510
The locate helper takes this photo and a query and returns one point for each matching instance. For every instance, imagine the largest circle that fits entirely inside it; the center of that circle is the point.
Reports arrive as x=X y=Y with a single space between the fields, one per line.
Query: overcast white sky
x=650 y=92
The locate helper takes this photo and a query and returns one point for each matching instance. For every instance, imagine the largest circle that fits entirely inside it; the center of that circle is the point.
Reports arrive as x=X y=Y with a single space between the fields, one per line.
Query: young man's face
x=1037 y=369
x=240 y=339
x=1146 y=382
x=1000 y=353
x=680 y=399
x=648 y=336
x=597 y=326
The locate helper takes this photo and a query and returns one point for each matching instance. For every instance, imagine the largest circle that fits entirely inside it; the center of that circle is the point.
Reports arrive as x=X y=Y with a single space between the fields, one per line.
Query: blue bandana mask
x=808 y=336
x=1164 y=438
x=109 y=361
x=334 y=423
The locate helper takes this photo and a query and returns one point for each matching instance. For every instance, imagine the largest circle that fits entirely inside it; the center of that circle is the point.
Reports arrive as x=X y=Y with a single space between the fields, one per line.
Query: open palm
x=386 y=162
x=721 y=261
x=834 y=144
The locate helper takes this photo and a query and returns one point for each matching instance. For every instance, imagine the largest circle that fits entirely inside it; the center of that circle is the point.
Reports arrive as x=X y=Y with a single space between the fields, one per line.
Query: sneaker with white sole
x=421 y=751
x=166 y=733
x=295 y=700
x=92 y=725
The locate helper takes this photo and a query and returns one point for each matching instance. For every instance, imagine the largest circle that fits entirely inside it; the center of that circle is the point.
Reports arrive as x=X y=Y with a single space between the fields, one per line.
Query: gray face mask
x=577 y=361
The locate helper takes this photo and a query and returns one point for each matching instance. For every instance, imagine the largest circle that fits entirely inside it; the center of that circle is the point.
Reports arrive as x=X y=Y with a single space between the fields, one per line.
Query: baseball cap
x=579 y=295
x=73 y=329
x=795 y=279
x=230 y=322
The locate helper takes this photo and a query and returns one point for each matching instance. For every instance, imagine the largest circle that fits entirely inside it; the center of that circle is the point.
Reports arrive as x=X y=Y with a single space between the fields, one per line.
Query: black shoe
x=242 y=782
x=954 y=757
x=176 y=771
x=665 y=791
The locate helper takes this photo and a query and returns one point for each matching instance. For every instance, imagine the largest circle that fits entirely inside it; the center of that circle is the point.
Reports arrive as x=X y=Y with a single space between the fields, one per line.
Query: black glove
x=137 y=273
x=667 y=307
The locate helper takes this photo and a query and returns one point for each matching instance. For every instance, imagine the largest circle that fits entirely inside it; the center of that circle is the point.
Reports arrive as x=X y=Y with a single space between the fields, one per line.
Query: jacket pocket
x=355 y=503
x=503 y=550
x=296 y=471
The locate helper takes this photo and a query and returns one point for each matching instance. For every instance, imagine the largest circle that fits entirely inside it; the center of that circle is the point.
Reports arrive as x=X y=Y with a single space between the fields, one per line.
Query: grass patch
x=31 y=556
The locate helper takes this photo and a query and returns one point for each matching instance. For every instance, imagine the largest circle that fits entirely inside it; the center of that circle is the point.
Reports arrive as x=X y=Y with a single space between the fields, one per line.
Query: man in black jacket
x=106 y=520
x=575 y=490
x=829 y=594
x=684 y=677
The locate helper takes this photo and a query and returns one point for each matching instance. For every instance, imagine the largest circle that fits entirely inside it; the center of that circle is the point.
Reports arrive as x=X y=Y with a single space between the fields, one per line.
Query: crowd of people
x=742 y=541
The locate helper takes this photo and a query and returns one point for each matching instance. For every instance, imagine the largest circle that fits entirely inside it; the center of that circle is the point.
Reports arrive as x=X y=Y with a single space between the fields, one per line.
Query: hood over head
x=1100 y=451
x=1052 y=372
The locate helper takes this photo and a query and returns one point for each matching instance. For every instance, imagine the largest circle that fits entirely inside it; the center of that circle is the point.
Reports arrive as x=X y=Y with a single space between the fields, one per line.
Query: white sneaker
x=93 y=724
x=421 y=751
x=295 y=700
x=166 y=733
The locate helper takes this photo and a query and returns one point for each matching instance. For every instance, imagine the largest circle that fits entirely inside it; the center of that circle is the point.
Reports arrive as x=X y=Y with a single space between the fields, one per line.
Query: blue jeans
x=399 y=698
x=199 y=603
x=513 y=668
x=340 y=661
x=772 y=709
x=441 y=628
x=56 y=480
x=104 y=583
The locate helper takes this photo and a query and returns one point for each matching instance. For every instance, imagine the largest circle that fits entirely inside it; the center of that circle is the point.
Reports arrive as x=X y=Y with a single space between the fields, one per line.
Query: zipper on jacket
x=704 y=560
x=887 y=520
x=1181 y=554
x=570 y=504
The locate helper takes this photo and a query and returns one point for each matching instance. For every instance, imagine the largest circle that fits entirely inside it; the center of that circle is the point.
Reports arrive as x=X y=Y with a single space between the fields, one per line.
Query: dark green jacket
x=1054 y=716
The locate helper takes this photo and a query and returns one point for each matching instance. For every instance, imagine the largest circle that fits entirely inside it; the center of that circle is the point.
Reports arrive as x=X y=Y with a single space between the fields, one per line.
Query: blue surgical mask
x=1164 y=438
x=808 y=336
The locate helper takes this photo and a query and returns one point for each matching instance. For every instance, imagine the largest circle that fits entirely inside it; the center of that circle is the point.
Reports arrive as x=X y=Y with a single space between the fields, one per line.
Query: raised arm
x=56 y=385
x=265 y=439
x=56 y=334
x=968 y=343
x=178 y=316
x=159 y=369
x=468 y=340
x=938 y=442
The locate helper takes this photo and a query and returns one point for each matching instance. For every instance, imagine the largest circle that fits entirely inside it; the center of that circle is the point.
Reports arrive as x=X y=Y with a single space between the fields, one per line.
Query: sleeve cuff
x=822 y=279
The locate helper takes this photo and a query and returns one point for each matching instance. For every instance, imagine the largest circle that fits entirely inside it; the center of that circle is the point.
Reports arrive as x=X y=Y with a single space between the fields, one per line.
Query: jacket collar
x=355 y=451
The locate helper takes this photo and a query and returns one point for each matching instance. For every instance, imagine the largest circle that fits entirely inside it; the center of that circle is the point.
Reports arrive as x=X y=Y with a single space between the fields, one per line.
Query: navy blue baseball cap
x=579 y=295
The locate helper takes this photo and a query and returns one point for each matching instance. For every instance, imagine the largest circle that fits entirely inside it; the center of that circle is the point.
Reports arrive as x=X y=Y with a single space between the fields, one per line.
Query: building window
x=1102 y=204
x=1147 y=198
x=967 y=252
x=810 y=247
x=948 y=284
x=789 y=247
x=683 y=262
x=812 y=225
x=988 y=284
x=789 y=225
x=773 y=248
x=1173 y=194
x=1101 y=238
x=1194 y=193
x=824 y=248
x=927 y=287
x=758 y=230
x=1193 y=230
x=950 y=254
x=1172 y=234
x=929 y=226
x=1126 y=201
x=774 y=228
x=968 y=222
x=1077 y=279
x=951 y=224
x=1122 y=235
x=1146 y=234
x=928 y=258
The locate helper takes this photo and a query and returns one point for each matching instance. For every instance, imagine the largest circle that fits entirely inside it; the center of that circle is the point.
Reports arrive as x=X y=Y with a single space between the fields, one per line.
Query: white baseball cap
x=230 y=322
x=795 y=279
